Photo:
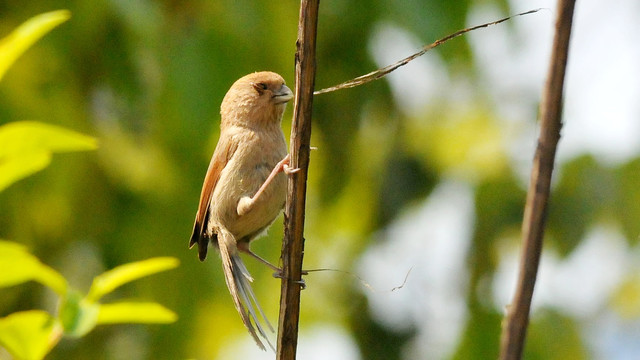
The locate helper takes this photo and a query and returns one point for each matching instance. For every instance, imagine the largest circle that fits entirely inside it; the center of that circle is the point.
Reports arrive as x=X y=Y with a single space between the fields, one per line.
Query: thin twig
x=363 y=281
x=375 y=75
x=293 y=242
x=515 y=327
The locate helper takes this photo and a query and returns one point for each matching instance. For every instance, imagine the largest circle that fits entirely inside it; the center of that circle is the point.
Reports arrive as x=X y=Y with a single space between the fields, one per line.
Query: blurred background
x=423 y=173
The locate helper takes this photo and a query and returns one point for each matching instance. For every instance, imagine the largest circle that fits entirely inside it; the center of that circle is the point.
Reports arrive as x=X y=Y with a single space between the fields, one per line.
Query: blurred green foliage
x=30 y=335
x=146 y=78
x=26 y=148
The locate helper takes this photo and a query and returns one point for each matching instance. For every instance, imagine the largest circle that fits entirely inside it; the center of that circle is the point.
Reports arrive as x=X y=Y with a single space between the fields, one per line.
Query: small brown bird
x=244 y=189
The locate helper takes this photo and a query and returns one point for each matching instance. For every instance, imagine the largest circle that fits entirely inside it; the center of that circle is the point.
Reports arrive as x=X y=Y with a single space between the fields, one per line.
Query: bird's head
x=256 y=99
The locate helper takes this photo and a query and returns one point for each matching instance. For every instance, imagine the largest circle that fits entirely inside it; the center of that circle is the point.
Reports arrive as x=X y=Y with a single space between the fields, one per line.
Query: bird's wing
x=224 y=151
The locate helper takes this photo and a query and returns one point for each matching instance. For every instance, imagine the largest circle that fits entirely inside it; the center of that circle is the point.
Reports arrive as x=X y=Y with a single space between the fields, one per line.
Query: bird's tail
x=239 y=281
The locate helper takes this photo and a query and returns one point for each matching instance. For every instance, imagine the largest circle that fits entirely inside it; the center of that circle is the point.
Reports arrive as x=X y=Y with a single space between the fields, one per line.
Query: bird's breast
x=252 y=163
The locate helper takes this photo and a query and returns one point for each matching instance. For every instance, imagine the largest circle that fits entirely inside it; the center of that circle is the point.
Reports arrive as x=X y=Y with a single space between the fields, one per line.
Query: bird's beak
x=283 y=95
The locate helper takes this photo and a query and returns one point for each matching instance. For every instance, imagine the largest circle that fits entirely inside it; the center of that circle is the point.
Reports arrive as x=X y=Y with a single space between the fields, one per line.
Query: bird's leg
x=246 y=250
x=246 y=203
x=244 y=247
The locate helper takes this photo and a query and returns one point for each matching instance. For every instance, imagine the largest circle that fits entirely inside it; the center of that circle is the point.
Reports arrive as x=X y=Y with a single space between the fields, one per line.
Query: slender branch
x=382 y=72
x=293 y=242
x=515 y=328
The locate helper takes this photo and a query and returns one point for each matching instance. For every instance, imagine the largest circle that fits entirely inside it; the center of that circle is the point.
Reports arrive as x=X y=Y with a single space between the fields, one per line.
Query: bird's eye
x=260 y=87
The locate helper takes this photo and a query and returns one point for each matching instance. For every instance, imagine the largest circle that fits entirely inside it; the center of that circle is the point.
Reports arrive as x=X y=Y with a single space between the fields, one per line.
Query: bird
x=245 y=186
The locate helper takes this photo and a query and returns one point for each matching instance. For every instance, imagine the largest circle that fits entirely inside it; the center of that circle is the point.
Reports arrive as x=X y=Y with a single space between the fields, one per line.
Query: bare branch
x=380 y=73
x=515 y=327
x=293 y=242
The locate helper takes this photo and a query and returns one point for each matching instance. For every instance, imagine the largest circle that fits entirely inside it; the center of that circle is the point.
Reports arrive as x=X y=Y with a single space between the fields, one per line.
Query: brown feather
x=224 y=151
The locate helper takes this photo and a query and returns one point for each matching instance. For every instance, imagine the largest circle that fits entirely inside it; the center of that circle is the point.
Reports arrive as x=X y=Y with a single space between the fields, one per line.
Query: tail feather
x=246 y=279
x=246 y=294
x=238 y=281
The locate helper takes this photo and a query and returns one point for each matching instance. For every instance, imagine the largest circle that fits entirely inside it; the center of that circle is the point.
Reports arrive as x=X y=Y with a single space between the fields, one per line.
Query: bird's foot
x=284 y=165
x=303 y=284
x=288 y=170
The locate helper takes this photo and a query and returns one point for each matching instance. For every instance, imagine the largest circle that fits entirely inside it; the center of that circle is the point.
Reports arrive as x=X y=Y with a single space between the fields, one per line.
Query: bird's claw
x=288 y=170
x=301 y=282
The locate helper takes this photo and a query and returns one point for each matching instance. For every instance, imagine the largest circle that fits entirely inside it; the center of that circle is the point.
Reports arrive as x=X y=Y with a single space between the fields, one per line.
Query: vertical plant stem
x=515 y=326
x=293 y=242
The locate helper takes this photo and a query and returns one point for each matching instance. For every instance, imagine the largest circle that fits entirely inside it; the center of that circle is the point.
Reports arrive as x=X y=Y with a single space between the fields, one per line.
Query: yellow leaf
x=16 y=43
x=26 y=147
x=110 y=280
x=29 y=335
x=17 y=265
x=19 y=167
x=134 y=312
x=22 y=137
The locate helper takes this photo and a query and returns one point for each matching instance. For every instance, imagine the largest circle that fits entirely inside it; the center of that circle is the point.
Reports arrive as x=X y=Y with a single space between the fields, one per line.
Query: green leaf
x=480 y=338
x=27 y=147
x=554 y=336
x=627 y=200
x=134 y=312
x=78 y=316
x=584 y=191
x=17 y=266
x=29 y=335
x=110 y=280
x=16 y=43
